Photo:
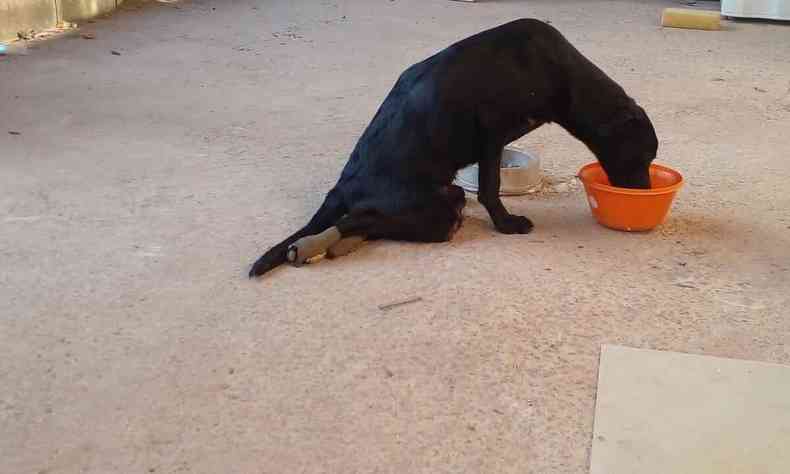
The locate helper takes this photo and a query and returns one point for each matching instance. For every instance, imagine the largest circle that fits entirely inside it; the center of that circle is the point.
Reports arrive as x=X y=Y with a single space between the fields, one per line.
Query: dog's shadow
x=714 y=232
x=684 y=232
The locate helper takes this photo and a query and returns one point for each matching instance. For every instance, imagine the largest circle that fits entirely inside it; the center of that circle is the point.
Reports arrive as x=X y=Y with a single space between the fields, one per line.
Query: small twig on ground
x=396 y=304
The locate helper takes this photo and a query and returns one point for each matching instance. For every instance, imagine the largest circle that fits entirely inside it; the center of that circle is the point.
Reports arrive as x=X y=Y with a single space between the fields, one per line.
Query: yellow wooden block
x=692 y=19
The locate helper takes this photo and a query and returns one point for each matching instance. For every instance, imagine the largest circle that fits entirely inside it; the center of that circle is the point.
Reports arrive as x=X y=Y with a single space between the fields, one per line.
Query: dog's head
x=626 y=147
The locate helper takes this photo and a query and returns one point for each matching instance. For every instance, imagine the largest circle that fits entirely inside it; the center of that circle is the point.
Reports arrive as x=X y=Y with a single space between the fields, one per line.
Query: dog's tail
x=327 y=215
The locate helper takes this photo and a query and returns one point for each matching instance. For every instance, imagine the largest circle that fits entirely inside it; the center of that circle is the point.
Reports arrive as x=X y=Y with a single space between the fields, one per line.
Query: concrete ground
x=140 y=187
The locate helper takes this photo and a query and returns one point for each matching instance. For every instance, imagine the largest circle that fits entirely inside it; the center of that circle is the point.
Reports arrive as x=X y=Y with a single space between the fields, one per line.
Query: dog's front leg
x=488 y=194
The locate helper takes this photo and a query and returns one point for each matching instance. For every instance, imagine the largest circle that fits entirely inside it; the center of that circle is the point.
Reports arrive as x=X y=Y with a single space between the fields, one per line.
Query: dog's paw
x=511 y=224
x=269 y=261
x=261 y=266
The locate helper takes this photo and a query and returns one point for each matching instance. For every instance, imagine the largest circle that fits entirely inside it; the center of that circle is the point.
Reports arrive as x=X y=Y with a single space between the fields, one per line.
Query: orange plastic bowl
x=630 y=209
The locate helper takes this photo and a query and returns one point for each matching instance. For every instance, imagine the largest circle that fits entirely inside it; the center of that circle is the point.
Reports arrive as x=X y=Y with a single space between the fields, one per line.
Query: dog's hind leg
x=312 y=246
x=328 y=242
x=327 y=215
x=345 y=246
x=434 y=221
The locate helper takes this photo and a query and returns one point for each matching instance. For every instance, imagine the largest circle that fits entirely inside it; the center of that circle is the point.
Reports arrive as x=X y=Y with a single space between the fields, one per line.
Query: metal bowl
x=520 y=174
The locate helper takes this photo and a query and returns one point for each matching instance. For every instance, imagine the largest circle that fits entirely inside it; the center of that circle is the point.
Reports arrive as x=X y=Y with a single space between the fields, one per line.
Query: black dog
x=462 y=106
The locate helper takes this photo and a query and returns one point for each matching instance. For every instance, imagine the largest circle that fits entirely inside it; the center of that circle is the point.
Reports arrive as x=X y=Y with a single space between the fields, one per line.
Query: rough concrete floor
x=142 y=185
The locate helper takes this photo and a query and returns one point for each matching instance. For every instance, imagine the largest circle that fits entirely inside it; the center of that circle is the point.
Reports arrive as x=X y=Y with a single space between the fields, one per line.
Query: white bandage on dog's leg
x=312 y=246
x=345 y=246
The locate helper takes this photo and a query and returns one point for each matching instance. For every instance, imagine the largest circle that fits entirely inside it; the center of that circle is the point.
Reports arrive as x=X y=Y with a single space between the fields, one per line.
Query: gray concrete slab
x=659 y=412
